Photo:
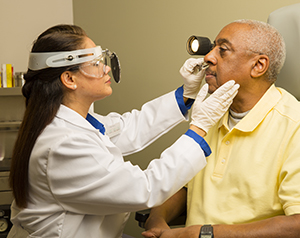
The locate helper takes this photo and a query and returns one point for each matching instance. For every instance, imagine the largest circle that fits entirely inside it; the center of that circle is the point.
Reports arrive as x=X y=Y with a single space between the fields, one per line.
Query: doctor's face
x=91 y=86
x=228 y=59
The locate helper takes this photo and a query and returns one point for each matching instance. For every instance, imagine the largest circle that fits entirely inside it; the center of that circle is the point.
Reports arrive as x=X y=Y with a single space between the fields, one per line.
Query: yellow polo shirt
x=253 y=172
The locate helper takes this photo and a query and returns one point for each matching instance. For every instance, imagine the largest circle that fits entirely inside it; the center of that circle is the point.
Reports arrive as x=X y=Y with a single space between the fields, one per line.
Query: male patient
x=251 y=184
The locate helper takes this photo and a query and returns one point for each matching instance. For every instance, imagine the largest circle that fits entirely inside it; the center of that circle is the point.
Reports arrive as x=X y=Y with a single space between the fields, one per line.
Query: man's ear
x=260 y=66
x=68 y=79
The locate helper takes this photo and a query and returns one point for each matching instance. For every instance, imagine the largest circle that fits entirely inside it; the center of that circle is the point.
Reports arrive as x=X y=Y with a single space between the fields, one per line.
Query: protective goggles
x=93 y=61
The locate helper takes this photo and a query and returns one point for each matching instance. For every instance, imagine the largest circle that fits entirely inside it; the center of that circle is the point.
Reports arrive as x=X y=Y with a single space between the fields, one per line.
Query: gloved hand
x=206 y=113
x=192 y=81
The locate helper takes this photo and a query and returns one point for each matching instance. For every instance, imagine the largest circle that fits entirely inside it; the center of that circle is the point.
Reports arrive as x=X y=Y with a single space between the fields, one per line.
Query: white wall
x=21 y=21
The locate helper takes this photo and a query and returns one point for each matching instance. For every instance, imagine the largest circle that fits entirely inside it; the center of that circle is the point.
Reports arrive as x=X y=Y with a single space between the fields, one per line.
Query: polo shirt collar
x=257 y=113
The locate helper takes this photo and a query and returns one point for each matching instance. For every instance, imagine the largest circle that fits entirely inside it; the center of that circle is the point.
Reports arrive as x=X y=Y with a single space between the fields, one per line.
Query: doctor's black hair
x=44 y=92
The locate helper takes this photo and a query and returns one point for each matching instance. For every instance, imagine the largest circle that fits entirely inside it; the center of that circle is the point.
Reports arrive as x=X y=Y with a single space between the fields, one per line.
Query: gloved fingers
x=224 y=88
x=202 y=93
x=230 y=93
x=206 y=113
x=189 y=65
x=223 y=103
x=201 y=73
x=191 y=79
x=229 y=98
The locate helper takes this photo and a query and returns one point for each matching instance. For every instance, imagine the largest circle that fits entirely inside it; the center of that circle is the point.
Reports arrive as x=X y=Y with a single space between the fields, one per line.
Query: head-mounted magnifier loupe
x=114 y=64
x=198 y=45
x=91 y=61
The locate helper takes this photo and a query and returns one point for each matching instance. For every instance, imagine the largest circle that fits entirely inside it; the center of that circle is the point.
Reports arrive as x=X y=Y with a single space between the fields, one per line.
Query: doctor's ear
x=68 y=79
x=260 y=66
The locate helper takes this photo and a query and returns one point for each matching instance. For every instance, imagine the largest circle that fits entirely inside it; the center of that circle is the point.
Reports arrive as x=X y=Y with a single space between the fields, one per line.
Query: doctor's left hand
x=192 y=81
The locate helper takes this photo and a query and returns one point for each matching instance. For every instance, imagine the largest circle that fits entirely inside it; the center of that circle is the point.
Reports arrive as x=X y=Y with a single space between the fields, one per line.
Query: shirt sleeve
x=135 y=130
x=87 y=176
x=184 y=107
x=139 y=128
x=203 y=144
x=289 y=176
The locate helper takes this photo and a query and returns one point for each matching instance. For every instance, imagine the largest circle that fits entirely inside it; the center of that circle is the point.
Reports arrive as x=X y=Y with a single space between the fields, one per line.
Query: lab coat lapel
x=76 y=119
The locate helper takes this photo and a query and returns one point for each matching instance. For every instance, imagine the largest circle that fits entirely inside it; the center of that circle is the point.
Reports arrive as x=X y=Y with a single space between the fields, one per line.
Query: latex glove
x=192 y=81
x=207 y=113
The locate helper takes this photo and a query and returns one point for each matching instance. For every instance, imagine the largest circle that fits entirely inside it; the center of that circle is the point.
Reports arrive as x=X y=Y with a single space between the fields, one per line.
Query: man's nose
x=210 y=58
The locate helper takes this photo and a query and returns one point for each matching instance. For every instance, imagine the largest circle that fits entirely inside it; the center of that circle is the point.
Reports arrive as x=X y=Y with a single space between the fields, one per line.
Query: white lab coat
x=80 y=185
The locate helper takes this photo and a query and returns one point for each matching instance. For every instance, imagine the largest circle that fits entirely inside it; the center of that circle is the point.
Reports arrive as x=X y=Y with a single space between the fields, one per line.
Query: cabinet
x=12 y=107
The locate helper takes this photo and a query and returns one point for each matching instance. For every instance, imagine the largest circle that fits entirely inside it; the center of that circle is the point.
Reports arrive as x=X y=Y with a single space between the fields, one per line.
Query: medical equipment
x=114 y=65
x=95 y=58
x=198 y=45
x=95 y=68
x=204 y=65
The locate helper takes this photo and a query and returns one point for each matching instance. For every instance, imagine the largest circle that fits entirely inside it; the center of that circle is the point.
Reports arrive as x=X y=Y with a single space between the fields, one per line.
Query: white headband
x=42 y=60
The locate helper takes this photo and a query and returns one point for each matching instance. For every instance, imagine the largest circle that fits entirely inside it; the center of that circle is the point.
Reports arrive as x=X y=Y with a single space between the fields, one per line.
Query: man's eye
x=222 y=50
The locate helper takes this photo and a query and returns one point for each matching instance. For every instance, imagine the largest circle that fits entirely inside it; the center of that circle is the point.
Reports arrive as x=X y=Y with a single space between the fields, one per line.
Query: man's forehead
x=220 y=41
x=232 y=34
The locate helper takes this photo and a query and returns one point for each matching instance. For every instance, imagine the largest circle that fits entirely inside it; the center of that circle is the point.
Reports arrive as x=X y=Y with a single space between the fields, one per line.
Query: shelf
x=16 y=91
x=10 y=125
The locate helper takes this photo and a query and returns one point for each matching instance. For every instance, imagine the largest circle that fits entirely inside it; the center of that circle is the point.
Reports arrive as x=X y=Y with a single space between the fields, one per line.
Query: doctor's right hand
x=207 y=113
x=191 y=78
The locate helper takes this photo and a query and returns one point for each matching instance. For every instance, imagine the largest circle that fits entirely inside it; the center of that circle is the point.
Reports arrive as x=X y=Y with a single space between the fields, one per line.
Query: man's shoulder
x=288 y=105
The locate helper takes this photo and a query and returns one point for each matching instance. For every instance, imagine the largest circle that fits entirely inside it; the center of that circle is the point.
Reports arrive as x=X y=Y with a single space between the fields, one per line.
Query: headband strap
x=43 y=60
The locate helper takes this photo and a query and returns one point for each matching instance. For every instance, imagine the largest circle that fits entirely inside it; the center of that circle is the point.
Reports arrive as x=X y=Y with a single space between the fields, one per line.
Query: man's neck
x=247 y=99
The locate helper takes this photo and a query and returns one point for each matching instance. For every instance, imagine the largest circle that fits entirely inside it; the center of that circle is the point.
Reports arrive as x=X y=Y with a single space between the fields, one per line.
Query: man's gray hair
x=265 y=39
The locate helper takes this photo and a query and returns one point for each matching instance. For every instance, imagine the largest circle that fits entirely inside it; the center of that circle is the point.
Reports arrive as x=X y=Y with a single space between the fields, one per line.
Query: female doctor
x=68 y=175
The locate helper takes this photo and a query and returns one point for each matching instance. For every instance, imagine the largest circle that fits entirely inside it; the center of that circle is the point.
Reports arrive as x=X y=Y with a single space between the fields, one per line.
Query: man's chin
x=211 y=84
x=211 y=89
